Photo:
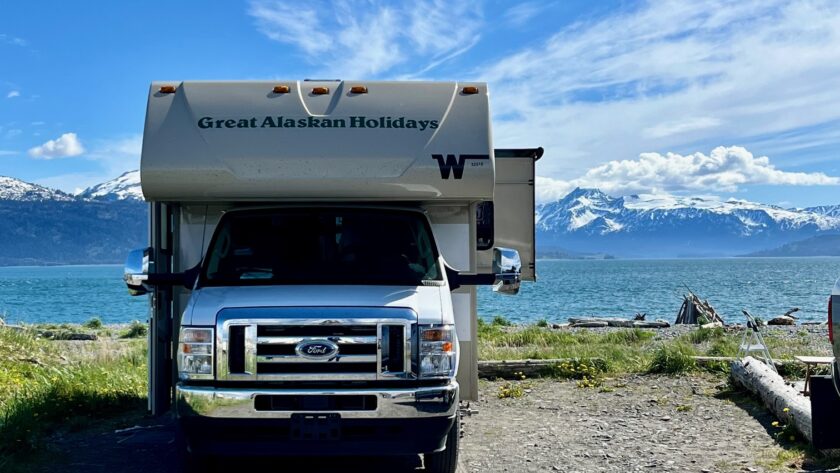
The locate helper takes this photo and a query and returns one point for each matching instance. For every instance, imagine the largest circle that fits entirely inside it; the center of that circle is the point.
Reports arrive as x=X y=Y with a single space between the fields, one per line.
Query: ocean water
x=612 y=288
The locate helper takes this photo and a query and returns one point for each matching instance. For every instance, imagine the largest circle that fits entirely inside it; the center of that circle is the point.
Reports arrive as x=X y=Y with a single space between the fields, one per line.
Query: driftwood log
x=777 y=395
x=595 y=322
x=505 y=369
x=492 y=369
x=696 y=311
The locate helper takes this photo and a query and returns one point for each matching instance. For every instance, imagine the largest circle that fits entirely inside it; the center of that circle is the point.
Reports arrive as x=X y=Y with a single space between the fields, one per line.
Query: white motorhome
x=315 y=248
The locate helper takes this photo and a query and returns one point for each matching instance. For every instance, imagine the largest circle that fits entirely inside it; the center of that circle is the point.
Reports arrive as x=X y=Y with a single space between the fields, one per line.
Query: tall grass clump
x=40 y=389
x=703 y=335
x=672 y=358
x=94 y=323
x=137 y=329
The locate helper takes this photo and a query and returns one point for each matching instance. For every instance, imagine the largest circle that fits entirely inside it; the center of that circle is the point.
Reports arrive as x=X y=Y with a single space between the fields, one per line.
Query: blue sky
x=727 y=98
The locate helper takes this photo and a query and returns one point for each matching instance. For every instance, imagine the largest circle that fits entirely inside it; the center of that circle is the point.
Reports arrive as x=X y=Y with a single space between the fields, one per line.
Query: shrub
x=501 y=321
x=672 y=358
x=135 y=330
x=94 y=323
x=543 y=323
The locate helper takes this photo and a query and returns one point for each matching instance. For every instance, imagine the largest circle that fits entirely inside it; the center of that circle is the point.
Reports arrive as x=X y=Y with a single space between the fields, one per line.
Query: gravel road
x=557 y=426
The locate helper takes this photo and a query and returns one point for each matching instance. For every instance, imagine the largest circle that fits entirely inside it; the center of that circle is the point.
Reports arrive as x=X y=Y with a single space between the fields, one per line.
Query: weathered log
x=505 y=369
x=791 y=312
x=782 y=320
x=589 y=324
x=776 y=394
x=651 y=324
x=586 y=320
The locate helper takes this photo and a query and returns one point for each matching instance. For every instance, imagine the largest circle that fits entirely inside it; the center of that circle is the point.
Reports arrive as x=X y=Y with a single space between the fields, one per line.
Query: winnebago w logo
x=455 y=165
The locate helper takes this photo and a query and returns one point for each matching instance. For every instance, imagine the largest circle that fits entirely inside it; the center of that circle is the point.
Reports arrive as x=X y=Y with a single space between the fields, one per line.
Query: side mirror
x=136 y=271
x=507 y=266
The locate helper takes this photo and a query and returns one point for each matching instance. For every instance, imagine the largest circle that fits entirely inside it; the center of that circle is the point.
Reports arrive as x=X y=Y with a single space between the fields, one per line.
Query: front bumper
x=238 y=403
x=225 y=421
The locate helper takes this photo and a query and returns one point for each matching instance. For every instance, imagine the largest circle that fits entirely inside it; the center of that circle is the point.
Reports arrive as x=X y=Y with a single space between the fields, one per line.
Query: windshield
x=322 y=246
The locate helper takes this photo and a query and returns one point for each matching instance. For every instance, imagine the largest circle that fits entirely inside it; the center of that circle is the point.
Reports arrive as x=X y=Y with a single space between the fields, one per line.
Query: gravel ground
x=640 y=426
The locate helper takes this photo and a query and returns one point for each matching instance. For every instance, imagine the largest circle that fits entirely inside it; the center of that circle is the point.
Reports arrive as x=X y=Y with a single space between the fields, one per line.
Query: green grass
x=633 y=350
x=673 y=358
x=46 y=385
x=625 y=350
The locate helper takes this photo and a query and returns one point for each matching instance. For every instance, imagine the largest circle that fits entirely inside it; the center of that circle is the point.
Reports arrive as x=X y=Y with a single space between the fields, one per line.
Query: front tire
x=187 y=460
x=445 y=461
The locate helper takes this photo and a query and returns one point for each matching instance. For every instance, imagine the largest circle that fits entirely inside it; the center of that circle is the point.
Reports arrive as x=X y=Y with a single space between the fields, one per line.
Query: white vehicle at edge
x=315 y=248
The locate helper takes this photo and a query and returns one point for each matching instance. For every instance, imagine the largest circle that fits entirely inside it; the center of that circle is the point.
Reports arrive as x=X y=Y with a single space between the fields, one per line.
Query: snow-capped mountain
x=47 y=226
x=588 y=220
x=827 y=210
x=126 y=186
x=15 y=189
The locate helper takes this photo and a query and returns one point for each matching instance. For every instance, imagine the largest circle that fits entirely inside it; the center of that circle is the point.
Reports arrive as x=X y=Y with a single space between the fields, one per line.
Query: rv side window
x=322 y=246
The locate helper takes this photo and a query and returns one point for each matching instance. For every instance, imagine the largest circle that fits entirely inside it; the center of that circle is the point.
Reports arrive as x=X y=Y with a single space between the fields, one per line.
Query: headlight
x=438 y=353
x=195 y=353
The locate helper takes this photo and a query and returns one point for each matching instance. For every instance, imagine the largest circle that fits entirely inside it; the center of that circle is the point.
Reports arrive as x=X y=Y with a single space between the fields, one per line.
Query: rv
x=315 y=251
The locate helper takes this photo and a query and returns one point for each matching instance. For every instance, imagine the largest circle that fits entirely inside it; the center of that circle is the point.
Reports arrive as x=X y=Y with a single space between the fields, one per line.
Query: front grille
x=275 y=349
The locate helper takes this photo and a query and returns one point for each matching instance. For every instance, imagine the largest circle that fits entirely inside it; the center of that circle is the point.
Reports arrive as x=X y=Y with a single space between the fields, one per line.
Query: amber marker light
x=470 y=90
x=433 y=335
x=358 y=89
x=167 y=89
x=320 y=90
x=281 y=89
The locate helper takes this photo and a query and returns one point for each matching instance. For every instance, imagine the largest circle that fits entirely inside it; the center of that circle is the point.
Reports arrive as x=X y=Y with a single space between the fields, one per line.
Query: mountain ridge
x=651 y=225
x=48 y=226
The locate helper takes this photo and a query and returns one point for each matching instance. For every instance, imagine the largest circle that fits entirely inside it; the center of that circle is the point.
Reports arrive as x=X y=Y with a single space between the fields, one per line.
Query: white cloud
x=113 y=157
x=12 y=94
x=66 y=145
x=363 y=39
x=15 y=41
x=522 y=13
x=670 y=75
x=725 y=169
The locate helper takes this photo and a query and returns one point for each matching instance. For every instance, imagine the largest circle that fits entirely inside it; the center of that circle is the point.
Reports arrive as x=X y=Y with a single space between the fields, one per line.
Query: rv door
x=511 y=214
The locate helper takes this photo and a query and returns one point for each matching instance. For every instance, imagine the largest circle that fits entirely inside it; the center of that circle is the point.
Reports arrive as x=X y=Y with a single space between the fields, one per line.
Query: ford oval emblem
x=316 y=349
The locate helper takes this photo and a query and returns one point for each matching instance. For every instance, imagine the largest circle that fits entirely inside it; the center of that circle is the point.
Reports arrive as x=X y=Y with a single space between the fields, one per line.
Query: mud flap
x=825 y=413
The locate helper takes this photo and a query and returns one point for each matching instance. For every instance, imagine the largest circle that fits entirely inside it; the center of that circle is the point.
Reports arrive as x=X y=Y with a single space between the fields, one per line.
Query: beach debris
x=696 y=311
x=136 y=428
x=658 y=323
x=598 y=322
x=785 y=319
x=64 y=335
x=591 y=323
x=640 y=316
x=785 y=401
x=791 y=312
